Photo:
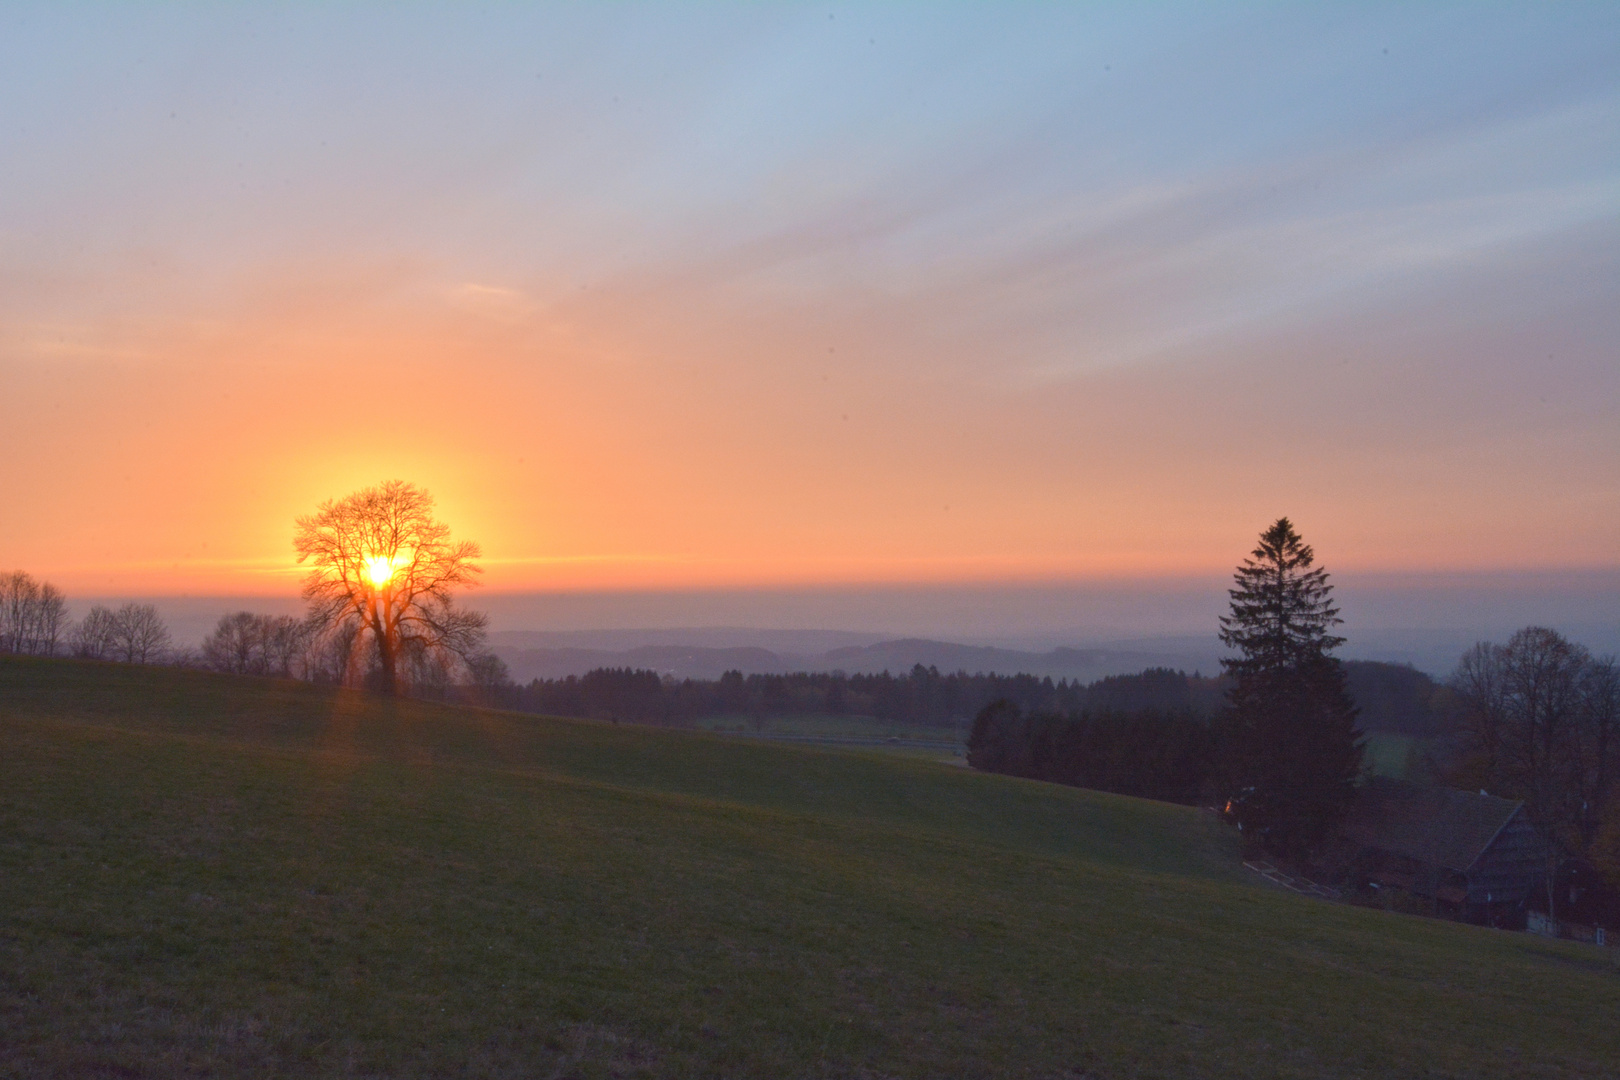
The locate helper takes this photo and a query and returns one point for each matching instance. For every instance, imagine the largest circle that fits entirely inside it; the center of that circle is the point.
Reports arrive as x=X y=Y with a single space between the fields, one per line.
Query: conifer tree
x=1292 y=751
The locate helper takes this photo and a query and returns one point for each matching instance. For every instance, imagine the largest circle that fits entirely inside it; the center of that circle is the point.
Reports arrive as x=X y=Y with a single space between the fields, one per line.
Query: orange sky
x=687 y=355
x=609 y=441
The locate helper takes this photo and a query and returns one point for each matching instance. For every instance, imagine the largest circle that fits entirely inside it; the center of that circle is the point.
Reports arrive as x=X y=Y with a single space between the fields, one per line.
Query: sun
x=380 y=569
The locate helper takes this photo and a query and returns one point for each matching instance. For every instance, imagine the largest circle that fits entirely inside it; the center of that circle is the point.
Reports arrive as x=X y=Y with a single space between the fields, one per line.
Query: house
x=1475 y=857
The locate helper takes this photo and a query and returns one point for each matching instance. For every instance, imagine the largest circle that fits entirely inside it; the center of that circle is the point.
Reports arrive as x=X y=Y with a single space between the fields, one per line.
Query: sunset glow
x=380 y=570
x=746 y=296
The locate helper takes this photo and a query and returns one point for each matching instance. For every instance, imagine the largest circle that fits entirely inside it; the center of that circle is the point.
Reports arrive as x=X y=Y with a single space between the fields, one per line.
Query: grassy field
x=818 y=725
x=205 y=876
x=1394 y=756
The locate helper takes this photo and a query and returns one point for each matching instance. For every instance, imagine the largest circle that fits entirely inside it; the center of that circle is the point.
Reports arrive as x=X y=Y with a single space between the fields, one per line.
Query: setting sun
x=380 y=569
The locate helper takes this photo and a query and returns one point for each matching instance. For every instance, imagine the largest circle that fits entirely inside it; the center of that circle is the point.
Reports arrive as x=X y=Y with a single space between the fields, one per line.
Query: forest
x=1392 y=697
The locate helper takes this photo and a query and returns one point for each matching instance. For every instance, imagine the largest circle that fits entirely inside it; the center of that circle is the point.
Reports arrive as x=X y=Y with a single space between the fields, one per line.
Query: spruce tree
x=1291 y=749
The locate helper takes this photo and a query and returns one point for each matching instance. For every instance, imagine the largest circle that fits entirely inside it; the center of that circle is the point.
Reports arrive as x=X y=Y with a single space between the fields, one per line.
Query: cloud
x=1056 y=283
x=492 y=301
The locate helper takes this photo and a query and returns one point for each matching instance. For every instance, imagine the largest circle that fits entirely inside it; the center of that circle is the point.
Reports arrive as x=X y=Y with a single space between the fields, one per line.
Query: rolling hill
x=537 y=656
x=202 y=875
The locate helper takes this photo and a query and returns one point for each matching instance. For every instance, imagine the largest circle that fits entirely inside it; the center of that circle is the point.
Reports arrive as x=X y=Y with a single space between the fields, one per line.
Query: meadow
x=1396 y=756
x=937 y=742
x=203 y=875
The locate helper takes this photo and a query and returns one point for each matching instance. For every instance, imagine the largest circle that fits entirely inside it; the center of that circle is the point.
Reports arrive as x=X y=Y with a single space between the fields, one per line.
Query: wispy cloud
x=1067 y=282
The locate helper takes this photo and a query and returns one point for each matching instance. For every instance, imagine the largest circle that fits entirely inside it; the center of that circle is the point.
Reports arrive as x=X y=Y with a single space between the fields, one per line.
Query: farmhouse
x=1477 y=857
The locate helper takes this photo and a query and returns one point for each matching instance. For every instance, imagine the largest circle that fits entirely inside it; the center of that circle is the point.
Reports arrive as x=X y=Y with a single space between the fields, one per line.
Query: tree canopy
x=1282 y=608
x=1292 y=749
x=1539 y=720
x=381 y=586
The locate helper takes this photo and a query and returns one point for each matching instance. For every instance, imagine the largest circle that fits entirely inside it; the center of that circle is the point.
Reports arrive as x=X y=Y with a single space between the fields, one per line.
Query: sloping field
x=205 y=876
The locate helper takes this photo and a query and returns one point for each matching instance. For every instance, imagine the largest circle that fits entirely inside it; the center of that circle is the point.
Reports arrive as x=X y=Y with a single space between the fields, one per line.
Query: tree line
x=1536 y=719
x=1153 y=753
x=1281 y=754
x=33 y=615
x=924 y=696
x=313 y=650
x=34 y=622
x=381 y=610
x=1394 y=697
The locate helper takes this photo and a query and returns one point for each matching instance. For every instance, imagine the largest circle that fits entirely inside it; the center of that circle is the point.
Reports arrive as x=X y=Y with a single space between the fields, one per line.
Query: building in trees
x=381 y=587
x=1474 y=856
x=1291 y=750
x=1539 y=719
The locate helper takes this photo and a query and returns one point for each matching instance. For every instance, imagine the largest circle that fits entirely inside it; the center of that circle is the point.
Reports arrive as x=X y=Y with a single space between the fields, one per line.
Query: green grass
x=1391 y=755
x=834 y=726
x=204 y=876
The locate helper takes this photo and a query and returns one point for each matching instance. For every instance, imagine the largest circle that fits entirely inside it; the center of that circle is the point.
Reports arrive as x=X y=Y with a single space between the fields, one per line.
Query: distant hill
x=788 y=642
x=687 y=662
x=527 y=661
x=1086 y=665
x=706 y=652
x=554 y=654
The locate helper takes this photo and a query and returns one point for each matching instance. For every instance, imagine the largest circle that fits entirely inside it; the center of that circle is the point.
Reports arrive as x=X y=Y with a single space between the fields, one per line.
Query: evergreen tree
x=1292 y=751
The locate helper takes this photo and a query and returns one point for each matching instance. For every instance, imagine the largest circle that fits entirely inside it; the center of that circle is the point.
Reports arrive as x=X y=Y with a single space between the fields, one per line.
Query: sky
x=658 y=299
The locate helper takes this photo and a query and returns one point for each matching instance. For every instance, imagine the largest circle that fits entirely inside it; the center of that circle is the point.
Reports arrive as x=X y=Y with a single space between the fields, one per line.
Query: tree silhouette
x=33 y=615
x=92 y=638
x=1539 y=719
x=1292 y=748
x=382 y=579
x=134 y=634
x=244 y=643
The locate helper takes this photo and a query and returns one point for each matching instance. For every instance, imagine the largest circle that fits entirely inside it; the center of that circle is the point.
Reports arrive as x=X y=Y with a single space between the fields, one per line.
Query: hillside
x=234 y=877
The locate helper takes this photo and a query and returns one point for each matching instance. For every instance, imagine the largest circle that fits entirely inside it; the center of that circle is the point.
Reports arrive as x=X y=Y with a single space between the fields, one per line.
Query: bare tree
x=92 y=639
x=138 y=634
x=233 y=645
x=490 y=678
x=15 y=592
x=1542 y=719
x=32 y=615
x=1600 y=746
x=332 y=651
x=51 y=620
x=383 y=577
x=287 y=643
x=1478 y=683
x=247 y=644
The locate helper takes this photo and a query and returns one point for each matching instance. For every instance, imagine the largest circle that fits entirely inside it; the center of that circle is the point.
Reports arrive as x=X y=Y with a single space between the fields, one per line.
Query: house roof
x=1439 y=826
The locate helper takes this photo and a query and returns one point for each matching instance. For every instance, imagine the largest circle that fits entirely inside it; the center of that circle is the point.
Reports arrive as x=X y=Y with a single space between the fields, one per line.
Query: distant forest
x=1392 y=697
x=1123 y=741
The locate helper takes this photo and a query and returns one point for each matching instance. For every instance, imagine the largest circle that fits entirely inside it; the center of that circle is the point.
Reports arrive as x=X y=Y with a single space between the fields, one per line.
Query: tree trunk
x=390 y=678
x=387 y=650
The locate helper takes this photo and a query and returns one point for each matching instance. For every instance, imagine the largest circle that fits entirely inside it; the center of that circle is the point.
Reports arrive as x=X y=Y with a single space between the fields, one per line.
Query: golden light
x=380 y=569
